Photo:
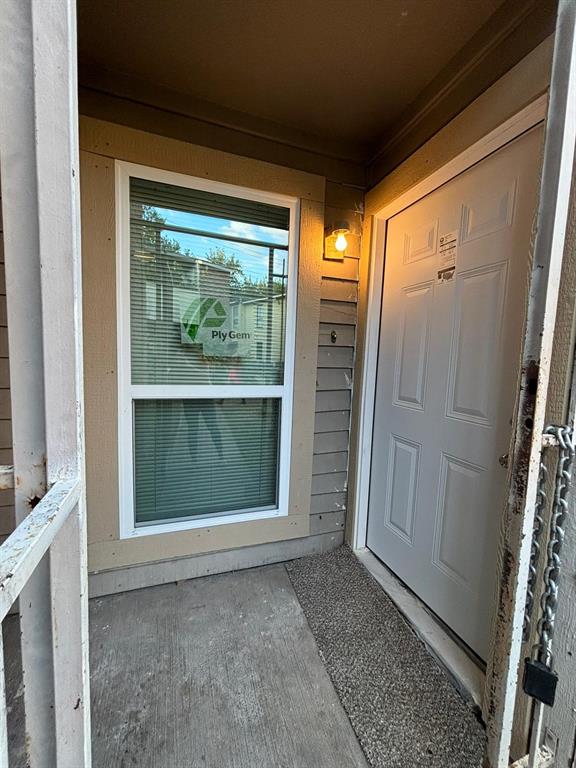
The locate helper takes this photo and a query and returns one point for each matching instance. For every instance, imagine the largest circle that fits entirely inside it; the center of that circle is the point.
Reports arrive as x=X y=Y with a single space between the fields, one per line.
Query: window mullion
x=195 y=392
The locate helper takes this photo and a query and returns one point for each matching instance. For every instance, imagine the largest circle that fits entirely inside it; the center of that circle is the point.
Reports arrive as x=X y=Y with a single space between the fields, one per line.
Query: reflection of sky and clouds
x=253 y=258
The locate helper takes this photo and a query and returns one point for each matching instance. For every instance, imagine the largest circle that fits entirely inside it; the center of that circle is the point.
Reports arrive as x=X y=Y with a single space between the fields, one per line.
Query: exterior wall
x=100 y=144
x=6 y=497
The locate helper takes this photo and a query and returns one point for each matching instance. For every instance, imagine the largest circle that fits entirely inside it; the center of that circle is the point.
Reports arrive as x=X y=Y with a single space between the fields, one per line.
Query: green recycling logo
x=203 y=313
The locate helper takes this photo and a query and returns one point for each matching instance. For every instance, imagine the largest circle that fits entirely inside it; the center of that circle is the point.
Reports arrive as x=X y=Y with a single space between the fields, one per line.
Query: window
x=206 y=276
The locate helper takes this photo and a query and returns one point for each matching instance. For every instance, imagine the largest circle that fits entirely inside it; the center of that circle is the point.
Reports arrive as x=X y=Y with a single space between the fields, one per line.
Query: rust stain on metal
x=526 y=423
x=508 y=561
x=508 y=557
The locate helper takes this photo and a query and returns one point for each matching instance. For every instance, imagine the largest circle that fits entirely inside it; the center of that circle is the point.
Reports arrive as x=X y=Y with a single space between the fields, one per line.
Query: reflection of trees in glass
x=153 y=239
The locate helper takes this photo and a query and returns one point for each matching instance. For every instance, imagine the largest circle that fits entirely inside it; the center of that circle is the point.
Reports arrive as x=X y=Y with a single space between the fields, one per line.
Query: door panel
x=446 y=380
x=475 y=346
x=401 y=486
x=413 y=346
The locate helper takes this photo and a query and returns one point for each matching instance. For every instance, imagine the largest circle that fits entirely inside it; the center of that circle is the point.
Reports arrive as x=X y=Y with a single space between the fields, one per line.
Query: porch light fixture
x=340 y=231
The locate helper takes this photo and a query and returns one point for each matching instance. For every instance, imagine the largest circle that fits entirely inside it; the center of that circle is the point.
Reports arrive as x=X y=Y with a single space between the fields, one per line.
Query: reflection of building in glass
x=263 y=318
x=163 y=286
x=166 y=285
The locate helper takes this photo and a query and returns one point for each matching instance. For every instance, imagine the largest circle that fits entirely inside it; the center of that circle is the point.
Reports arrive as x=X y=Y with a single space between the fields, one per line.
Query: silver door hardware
x=503 y=460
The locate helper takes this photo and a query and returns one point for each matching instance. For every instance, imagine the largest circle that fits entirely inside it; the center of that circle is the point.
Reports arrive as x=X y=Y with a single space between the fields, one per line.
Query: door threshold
x=468 y=677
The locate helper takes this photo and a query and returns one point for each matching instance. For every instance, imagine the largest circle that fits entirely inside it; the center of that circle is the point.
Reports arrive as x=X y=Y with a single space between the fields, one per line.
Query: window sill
x=200 y=522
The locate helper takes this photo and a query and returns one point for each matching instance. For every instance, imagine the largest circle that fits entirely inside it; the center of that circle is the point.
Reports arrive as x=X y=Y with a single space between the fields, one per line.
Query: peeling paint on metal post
x=57 y=170
x=40 y=200
x=22 y=264
x=531 y=404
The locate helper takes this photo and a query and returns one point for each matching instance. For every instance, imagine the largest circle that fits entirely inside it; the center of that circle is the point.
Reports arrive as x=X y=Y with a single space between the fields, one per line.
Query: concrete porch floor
x=218 y=672
x=224 y=672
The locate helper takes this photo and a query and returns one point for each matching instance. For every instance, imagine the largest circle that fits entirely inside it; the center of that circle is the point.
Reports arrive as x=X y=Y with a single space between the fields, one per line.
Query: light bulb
x=341 y=243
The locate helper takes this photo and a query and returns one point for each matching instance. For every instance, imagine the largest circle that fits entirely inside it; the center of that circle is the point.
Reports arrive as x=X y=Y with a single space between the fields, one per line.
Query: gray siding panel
x=324 y=463
x=344 y=335
x=328 y=502
x=6 y=520
x=331 y=421
x=338 y=312
x=335 y=357
x=327 y=522
x=3 y=337
x=328 y=442
x=343 y=270
x=336 y=340
x=334 y=378
x=5 y=406
x=339 y=290
x=333 y=400
x=334 y=482
x=6 y=497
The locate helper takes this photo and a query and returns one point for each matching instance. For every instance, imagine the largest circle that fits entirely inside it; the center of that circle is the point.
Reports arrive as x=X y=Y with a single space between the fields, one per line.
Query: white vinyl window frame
x=128 y=392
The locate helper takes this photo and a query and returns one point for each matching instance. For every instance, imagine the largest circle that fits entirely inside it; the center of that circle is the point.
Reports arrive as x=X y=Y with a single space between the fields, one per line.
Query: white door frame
x=521 y=122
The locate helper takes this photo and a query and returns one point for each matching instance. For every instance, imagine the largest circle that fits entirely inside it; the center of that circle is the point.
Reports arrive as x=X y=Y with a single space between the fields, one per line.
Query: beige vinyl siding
x=339 y=296
x=6 y=497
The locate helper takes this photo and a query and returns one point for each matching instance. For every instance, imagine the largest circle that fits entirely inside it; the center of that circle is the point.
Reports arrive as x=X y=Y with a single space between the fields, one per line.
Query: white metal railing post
x=58 y=175
x=39 y=173
x=22 y=265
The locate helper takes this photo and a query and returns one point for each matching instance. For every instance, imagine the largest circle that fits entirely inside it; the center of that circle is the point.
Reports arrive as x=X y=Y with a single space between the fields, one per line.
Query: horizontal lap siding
x=336 y=339
x=6 y=497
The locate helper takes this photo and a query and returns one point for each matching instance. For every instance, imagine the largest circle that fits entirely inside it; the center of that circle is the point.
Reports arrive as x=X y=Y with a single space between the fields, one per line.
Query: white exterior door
x=455 y=280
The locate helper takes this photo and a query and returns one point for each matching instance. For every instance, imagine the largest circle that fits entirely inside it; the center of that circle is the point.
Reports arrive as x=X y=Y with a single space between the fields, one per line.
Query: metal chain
x=542 y=650
x=541 y=499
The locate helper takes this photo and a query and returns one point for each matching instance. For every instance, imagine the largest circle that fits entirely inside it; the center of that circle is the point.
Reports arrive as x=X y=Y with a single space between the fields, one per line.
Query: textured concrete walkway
x=218 y=672
x=224 y=672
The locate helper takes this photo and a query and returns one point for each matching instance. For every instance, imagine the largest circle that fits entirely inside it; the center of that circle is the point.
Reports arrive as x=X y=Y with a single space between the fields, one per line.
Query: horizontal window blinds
x=201 y=457
x=144 y=194
x=206 y=310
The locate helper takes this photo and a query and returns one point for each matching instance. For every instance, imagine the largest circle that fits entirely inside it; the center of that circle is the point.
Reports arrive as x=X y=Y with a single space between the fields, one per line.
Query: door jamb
x=522 y=121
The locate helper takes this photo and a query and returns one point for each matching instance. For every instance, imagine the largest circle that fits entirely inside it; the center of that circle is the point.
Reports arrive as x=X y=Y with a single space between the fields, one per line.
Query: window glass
x=202 y=457
x=208 y=282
